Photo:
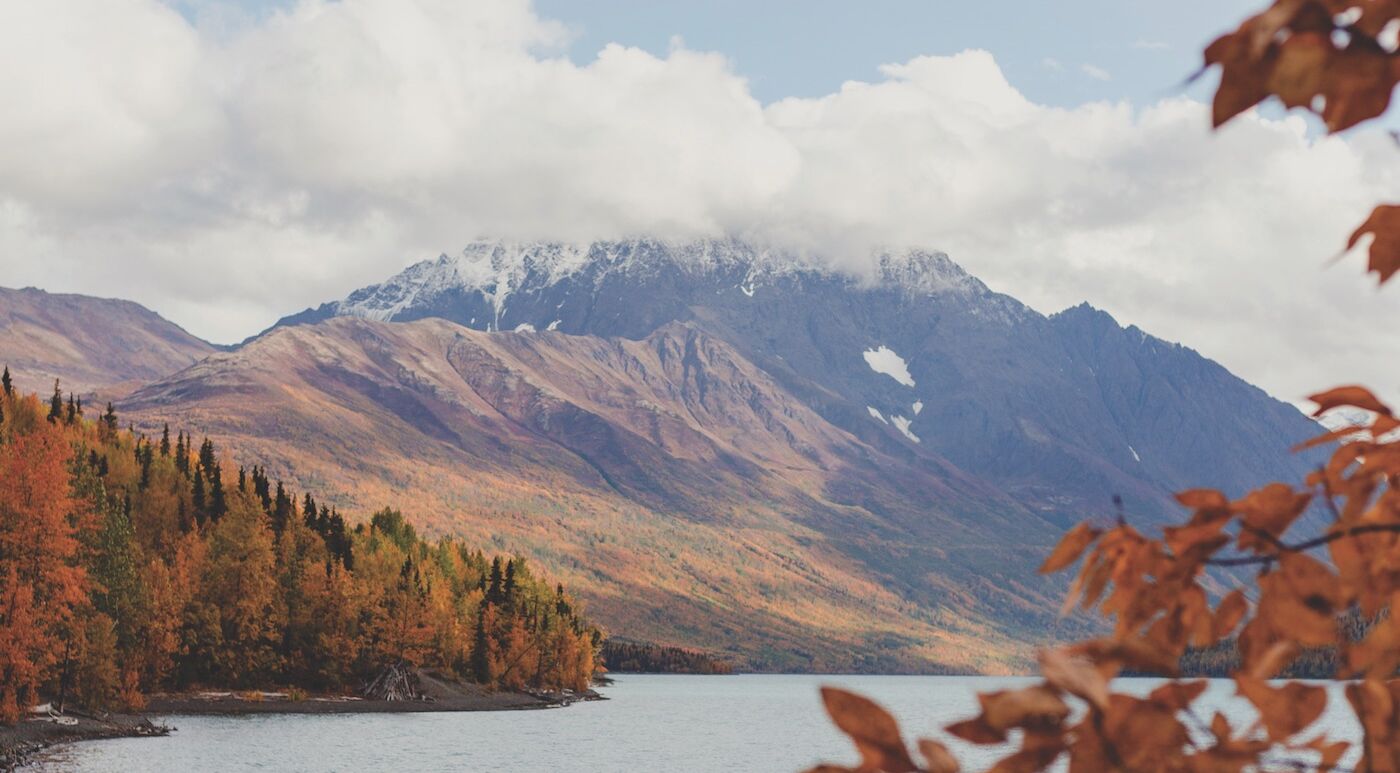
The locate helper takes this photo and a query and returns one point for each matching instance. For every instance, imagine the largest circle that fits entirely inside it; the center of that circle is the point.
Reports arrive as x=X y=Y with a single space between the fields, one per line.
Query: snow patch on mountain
x=885 y=360
x=902 y=424
x=876 y=414
x=918 y=407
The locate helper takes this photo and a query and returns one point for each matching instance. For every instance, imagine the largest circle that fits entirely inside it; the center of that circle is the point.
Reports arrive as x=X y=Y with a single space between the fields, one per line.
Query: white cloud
x=226 y=175
x=1095 y=72
x=1052 y=64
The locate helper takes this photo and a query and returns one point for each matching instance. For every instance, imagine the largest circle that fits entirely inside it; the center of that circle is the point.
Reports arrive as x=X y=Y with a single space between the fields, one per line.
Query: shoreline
x=24 y=742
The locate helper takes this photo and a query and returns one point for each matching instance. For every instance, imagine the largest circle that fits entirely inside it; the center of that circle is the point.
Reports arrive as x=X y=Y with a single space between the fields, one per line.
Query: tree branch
x=1355 y=531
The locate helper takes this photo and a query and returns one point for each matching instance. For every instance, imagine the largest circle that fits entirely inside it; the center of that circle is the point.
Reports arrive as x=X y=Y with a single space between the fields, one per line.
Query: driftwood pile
x=397 y=682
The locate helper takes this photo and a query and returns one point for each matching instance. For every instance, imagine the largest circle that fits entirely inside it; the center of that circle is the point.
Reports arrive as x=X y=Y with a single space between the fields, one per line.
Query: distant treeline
x=640 y=657
x=1222 y=660
x=130 y=564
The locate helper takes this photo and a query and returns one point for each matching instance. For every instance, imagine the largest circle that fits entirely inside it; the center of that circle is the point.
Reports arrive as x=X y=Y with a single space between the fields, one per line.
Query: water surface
x=685 y=724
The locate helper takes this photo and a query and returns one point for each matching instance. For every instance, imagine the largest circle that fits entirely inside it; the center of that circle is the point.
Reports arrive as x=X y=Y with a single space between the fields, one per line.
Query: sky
x=226 y=163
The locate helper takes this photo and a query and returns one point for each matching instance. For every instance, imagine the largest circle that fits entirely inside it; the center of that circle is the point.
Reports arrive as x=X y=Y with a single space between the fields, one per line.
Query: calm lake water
x=686 y=724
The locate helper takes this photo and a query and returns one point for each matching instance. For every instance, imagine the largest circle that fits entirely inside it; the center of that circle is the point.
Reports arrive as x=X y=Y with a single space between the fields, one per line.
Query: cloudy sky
x=226 y=163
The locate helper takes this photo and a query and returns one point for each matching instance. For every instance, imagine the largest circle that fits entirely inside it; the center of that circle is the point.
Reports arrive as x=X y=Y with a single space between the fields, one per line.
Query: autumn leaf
x=1384 y=225
x=976 y=730
x=1030 y=707
x=1076 y=676
x=1354 y=396
x=1229 y=613
x=1071 y=546
x=937 y=757
x=874 y=731
x=1286 y=710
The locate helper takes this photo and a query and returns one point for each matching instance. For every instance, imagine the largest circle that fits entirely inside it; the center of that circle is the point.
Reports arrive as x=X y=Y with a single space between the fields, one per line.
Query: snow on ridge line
x=499 y=268
x=876 y=414
x=884 y=360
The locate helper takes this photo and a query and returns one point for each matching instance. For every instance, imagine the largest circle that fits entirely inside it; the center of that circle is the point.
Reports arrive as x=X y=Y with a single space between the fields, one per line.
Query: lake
x=686 y=724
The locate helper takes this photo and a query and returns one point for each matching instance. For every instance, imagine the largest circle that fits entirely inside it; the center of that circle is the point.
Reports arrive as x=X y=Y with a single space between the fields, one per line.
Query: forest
x=646 y=658
x=131 y=565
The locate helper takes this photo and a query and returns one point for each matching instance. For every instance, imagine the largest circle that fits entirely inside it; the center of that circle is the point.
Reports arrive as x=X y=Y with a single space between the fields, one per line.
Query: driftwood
x=397 y=682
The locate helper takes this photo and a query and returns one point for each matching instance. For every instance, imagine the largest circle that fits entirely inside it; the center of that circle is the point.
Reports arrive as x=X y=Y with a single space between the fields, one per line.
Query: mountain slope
x=89 y=343
x=1062 y=413
x=681 y=488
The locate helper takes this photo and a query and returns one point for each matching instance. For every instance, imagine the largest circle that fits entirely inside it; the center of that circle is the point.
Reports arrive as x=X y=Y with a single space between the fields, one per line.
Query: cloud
x=1052 y=64
x=228 y=174
x=1097 y=73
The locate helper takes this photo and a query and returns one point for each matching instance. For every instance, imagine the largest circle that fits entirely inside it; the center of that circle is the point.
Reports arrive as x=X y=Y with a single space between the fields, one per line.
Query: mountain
x=89 y=343
x=682 y=489
x=1061 y=413
x=729 y=447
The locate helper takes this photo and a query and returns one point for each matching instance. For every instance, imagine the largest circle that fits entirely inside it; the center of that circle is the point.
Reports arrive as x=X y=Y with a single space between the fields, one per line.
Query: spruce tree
x=283 y=509
x=198 y=499
x=217 y=504
x=5 y=382
x=207 y=459
x=164 y=434
x=481 y=648
x=493 y=587
x=109 y=420
x=508 y=586
x=260 y=487
x=70 y=414
x=145 y=455
x=182 y=455
x=56 y=403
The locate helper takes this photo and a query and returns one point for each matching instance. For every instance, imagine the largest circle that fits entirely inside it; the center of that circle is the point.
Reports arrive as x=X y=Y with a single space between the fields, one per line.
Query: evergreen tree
x=242 y=479
x=109 y=420
x=308 y=511
x=493 y=587
x=197 y=498
x=70 y=415
x=283 y=509
x=207 y=460
x=182 y=455
x=56 y=403
x=481 y=648
x=5 y=382
x=164 y=433
x=144 y=456
x=260 y=488
x=218 y=505
x=508 y=586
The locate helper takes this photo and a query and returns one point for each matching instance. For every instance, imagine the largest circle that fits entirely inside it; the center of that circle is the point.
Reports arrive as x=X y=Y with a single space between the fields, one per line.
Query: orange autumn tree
x=41 y=580
x=1339 y=60
x=129 y=566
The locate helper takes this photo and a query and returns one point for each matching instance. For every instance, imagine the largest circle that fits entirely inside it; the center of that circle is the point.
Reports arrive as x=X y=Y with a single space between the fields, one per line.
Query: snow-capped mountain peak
x=498 y=269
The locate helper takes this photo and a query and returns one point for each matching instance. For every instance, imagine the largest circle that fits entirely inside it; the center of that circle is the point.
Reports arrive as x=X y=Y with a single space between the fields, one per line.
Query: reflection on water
x=686 y=724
